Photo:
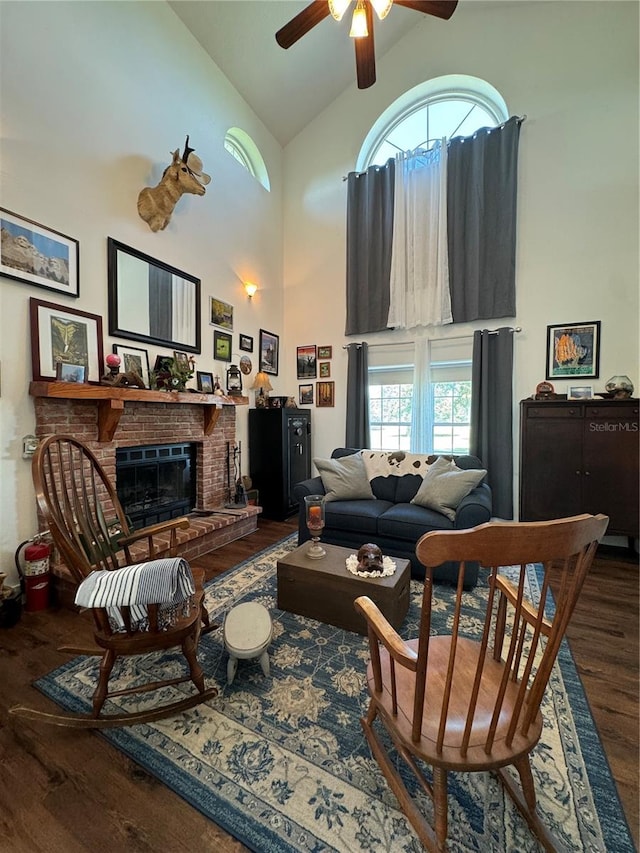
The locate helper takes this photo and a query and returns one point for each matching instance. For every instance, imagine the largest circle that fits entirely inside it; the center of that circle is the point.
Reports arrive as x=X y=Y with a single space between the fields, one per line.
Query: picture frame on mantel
x=35 y=254
x=60 y=333
x=138 y=310
x=573 y=349
x=134 y=359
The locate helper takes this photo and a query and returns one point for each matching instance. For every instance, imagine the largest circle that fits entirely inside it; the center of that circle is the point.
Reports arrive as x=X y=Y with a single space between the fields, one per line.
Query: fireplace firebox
x=156 y=482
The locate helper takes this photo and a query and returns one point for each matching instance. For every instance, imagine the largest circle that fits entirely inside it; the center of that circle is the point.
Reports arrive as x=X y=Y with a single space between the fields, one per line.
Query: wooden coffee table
x=325 y=590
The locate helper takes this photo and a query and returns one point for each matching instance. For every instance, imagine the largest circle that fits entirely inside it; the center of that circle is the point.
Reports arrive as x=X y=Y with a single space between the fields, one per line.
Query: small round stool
x=247 y=634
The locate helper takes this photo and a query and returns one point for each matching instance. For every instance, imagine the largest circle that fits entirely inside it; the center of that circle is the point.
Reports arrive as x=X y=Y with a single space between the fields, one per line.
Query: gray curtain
x=357 y=431
x=369 y=236
x=160 y=303
x=492 y=412
x=481 y=202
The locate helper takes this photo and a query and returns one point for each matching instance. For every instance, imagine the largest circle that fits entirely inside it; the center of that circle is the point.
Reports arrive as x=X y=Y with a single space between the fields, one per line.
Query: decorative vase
x=314 y=509
x=620 y=386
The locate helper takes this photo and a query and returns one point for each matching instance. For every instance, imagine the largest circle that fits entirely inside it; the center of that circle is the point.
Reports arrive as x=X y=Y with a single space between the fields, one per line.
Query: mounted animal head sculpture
x=184 y=175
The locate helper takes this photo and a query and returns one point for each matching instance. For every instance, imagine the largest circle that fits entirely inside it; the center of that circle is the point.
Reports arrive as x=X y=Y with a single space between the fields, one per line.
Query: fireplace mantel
x=111 y=402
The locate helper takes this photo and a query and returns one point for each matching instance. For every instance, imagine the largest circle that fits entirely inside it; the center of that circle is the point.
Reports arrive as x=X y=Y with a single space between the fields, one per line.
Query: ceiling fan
x=361 y=26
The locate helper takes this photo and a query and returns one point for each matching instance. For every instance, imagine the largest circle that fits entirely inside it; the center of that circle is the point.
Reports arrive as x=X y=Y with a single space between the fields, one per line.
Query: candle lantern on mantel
x=234 y=381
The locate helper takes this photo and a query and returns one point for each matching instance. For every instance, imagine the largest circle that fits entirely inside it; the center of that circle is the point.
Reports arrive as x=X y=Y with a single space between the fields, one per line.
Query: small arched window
x=453 y=105
x=241 y=146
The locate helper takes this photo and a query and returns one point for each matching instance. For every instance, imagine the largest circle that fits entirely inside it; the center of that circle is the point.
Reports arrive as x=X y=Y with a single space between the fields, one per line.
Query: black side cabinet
x=279 y=457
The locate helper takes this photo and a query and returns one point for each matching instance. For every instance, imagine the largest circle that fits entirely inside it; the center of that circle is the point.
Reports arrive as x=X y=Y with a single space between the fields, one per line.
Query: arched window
x=241 y=146
x=437 y=420
x=453 y=105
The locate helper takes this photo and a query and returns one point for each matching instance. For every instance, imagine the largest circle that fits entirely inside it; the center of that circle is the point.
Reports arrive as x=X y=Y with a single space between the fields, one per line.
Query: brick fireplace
x=108 y=419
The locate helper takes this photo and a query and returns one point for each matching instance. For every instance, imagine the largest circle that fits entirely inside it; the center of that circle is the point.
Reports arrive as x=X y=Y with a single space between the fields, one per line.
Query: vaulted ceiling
x=285 y=88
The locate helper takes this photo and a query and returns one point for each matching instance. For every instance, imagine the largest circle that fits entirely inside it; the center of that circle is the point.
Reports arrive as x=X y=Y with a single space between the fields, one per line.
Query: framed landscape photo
x=325 y=352
x=134 y=359
x=306 y=362
x=246 y=343
x=221 y=346
x=150 y=301
x=580 y=392
x=60 y=333
x=204 y=382
x=325 y=393
x=38 y=255
x=305 y=394
x=573 y=349
x=221 y=314
x=269 y=346
x=68 y=372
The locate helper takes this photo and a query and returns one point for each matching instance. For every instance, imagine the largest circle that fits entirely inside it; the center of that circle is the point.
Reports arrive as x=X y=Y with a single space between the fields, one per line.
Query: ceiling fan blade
x=302 y=23
x=366 y=55
x=440 y=8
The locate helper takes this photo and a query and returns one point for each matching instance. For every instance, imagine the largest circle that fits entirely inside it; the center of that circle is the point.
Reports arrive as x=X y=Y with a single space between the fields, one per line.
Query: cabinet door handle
x=578 y=473
x=587 y=473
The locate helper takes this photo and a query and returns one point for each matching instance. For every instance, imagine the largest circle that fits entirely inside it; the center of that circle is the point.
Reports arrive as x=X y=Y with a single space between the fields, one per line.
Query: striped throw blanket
x=167 y=582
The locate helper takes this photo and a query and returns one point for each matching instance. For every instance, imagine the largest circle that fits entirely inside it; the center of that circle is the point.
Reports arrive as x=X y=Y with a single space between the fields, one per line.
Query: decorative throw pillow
x=444 y=485
x=344 y=479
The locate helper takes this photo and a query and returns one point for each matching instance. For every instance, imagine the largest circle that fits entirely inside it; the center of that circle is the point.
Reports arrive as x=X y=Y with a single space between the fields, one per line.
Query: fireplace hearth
x=156 y=482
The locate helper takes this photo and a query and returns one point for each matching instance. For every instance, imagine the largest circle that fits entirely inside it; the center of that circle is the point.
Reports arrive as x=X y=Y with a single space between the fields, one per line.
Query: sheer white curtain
x=184 y=310
x=422 y=404
x=419 y=257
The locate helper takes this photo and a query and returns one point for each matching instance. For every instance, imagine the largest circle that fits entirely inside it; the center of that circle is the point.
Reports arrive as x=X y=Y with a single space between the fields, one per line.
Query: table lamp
x=261 y=384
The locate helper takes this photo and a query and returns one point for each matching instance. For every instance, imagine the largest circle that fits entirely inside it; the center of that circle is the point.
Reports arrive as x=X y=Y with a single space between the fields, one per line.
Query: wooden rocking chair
x=88 y=525
x=464 y=704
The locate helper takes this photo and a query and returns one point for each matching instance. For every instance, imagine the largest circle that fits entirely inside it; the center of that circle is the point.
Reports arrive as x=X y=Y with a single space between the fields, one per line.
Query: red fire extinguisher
x=35 y=576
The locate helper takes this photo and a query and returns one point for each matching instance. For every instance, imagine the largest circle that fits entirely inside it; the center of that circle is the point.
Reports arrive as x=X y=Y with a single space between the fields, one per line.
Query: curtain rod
x=519 y=119
x=512 y=329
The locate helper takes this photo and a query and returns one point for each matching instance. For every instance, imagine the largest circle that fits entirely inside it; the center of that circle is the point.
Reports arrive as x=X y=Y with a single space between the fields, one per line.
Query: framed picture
x=59 y=333
x=37 y=255
x=580 y=392
x=324 y=370
x=245 y=365
x=221 y=346
x=151 y=301
x=573 y=349
x=325 y=352
x=182 y=359
x=221 y=314
x=306 y=362
x=246 y=343
x=204 y=382
x=305 y=394
x=269 y=350
x=68 y=372
x=134 y=359
x=325 y=393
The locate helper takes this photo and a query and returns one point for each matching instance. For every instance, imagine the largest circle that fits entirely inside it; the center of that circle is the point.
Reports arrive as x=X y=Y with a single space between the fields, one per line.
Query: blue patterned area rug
x=281 y=763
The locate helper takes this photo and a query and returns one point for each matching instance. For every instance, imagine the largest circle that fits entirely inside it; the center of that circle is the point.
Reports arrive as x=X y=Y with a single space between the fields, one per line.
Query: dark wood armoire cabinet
x=580 y=456
x=279 y=457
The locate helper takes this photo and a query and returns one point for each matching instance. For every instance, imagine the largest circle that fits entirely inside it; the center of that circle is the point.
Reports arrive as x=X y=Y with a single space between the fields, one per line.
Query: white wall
x=94 y=96
x=572 y=67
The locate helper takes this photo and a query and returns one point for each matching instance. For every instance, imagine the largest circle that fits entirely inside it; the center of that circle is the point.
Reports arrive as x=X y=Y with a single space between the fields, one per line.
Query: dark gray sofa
x=391 y=521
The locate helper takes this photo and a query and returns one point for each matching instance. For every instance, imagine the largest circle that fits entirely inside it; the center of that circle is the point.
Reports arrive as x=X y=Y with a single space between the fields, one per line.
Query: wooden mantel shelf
x=111 y=402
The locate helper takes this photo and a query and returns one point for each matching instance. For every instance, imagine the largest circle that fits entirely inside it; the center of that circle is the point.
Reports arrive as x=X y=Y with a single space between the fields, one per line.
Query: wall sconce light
x=251 y=288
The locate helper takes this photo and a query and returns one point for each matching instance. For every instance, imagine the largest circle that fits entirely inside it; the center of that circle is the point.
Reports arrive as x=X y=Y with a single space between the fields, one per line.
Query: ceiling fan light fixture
x=338 y=8
x=359 y=27
x=382 y=7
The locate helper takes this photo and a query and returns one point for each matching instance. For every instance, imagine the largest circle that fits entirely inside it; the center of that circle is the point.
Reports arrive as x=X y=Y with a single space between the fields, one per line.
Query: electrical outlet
x=29 y=446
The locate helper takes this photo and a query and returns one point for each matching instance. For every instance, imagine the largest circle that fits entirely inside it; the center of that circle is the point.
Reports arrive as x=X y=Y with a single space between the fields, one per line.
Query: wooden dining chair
x=89 y=527
x=472 y=703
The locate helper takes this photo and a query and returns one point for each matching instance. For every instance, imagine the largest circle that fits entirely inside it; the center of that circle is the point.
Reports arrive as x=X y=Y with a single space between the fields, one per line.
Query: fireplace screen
x=157 y=482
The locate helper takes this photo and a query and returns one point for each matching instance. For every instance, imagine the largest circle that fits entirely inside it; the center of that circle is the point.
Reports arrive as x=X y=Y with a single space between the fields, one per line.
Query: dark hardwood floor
x=64 y=791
